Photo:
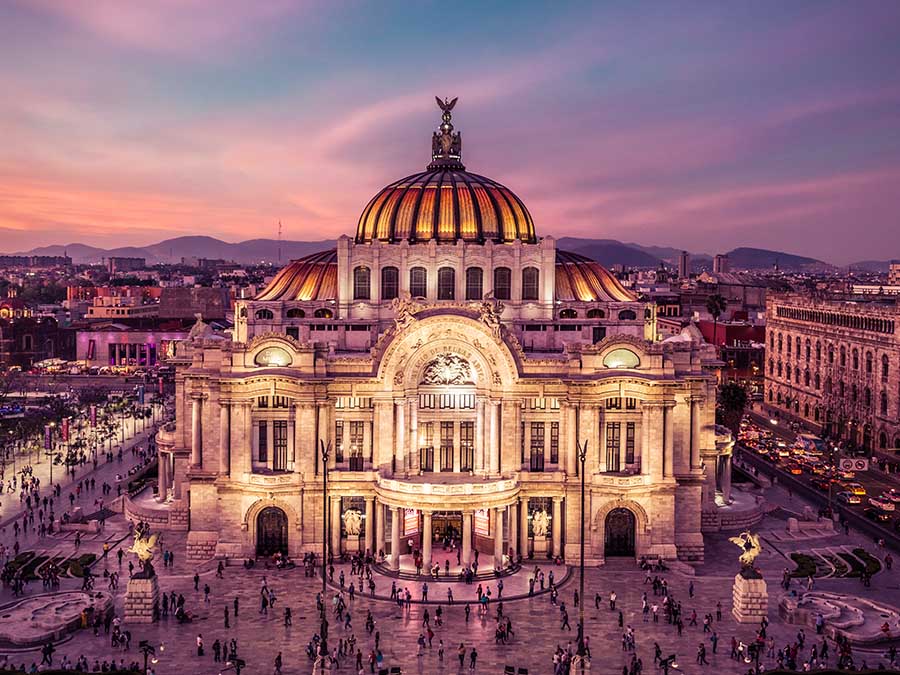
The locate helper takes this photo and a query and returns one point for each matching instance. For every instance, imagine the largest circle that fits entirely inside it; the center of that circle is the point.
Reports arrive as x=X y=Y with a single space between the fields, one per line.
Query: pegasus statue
x=750 y=547
x=143 y=547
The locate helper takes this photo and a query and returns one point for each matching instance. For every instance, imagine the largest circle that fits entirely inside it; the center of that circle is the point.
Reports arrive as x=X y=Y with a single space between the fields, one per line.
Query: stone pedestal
x=140 y=598
x=751 y=600
x=541 y=546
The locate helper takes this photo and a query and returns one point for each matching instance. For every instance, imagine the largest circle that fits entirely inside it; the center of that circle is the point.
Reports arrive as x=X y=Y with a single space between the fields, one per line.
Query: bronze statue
x=751 y=548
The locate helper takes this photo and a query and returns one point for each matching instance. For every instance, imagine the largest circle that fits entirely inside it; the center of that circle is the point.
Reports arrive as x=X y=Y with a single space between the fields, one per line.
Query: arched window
x=295 y=313
x=627 y=315
x=418 y=282
x=855 y=359
x=361 y=283
x=867 y=397
x=882 y=440
x=530 y=286
x=780 y=341
x=787 y=372
x=789 y=343
x=818 y=351
x=843 y=359
x=568 y=314
x=599 y=314
x=854 y=392
x=797 y=351
x=323 y=313
x=869 y=362
x=771 y=367
x=884 y=403
x=446 y=283
x=264 y=315
x=827 y=385
x=772 y=341
x=621 y=358
x=808 y=349
x=390 y=283
x=806 y=378
x=779 y=369
x=770 y=395
x=806 y=409
x=885 y=368
x=502 y=283
x=474 y=283
x=797 y=374
x=818 y=381
x=842 y=388
x=830 y=354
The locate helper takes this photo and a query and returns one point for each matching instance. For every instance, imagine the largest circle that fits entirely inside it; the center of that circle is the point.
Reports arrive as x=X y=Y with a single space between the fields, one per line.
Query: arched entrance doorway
x=271 y=532
x=619 y=529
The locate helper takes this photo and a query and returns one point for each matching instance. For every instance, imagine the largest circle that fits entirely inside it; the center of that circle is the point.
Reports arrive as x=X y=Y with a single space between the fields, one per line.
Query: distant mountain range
x=608 y=252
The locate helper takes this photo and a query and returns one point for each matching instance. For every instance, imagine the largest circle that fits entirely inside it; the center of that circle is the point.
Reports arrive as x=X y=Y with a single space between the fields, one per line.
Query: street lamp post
x=326 y=451
x=582 y=456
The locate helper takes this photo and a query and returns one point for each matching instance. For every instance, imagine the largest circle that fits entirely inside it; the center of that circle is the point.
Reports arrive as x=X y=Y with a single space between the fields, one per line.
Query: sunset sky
x=704 y=126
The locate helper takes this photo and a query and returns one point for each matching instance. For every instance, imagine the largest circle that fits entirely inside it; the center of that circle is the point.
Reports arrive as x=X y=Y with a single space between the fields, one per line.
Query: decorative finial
x=446 y=146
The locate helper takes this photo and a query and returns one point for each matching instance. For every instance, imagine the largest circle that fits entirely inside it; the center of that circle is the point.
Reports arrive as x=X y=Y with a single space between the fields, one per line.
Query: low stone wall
x=175 y=517
x=201 y=546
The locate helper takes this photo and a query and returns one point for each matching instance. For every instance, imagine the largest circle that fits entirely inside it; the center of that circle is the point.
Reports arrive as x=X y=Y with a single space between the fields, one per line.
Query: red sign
x=93 y=415
x=65 y=430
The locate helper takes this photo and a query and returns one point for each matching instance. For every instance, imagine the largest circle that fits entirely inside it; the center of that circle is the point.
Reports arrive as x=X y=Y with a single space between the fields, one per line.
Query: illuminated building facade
x=452 y=361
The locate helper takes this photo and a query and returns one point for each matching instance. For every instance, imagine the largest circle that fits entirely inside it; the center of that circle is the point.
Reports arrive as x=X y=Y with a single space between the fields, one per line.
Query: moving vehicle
x=810 y=444
x=877 y=515
x=857 y=489
x=891 y=495
x=849 y=498
x=882 y=504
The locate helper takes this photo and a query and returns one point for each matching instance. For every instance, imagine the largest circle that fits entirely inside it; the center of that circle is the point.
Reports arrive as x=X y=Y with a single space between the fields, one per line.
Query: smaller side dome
x=580 y=279
x=313 y=277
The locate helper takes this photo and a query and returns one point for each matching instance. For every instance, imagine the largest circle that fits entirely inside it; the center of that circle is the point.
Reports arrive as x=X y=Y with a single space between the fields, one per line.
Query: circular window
x=621 y=358
x=273 y=357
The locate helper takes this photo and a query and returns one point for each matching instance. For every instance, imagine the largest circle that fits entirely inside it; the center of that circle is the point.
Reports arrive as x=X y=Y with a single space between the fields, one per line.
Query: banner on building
x=48 y=437
x=65 y=430
x=141 y=394
x=93 y=416
x=410 y=522
x=482 y=523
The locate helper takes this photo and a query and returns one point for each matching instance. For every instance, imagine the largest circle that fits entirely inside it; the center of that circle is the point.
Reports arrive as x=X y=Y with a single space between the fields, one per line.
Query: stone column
x=574 y=439
x=556 y=526
x=414 y=436
x=495 y=438
x=523 y=527
x=669 y=441
x=380 y=515
x=336 y=526
x=426 y=539
x=467 y=538
x=513 y=526
x=726 y=478
x=396 y=516
x=645 y=440
x=479 y=436
x=498 y=538
x=401 y=436
x=370 y=517
x=196 y=431
x=224 y=437
x=696 y=407
x=656 y=441
x=163 y=463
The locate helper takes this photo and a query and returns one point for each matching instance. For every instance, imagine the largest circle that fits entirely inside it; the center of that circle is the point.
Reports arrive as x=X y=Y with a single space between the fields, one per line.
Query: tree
x=732 y=403
x=715 y=305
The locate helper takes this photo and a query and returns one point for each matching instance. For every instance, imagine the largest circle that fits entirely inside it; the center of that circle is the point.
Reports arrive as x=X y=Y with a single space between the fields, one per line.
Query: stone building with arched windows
x=452 y=363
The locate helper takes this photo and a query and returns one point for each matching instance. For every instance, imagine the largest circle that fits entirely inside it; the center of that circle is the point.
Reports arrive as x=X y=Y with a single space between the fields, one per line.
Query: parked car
x=882 y=504
x=877 y=515
x=849 y=498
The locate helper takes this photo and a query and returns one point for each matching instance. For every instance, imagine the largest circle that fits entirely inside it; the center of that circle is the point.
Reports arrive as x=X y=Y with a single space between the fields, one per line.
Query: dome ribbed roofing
x=314 y=277
x=445 y=203
x=580 y=279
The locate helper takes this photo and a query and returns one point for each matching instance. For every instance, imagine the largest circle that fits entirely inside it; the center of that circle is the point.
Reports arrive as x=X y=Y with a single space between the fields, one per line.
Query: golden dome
x=580 y=279
x=312 y=277
x=445 y=202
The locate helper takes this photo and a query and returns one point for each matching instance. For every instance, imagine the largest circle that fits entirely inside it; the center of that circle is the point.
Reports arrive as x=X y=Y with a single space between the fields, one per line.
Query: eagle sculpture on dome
x=445 y=105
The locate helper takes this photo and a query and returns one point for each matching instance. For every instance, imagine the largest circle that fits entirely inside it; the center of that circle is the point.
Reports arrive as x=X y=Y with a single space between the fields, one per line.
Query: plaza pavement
x=535 y=621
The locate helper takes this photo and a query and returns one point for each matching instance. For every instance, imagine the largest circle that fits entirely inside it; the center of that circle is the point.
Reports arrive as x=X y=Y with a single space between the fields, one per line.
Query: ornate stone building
x=835 y=365
x=451 y=362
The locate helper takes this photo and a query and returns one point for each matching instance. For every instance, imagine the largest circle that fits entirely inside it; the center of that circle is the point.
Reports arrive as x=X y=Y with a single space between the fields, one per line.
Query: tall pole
x=582 y=456
x=326 y=450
